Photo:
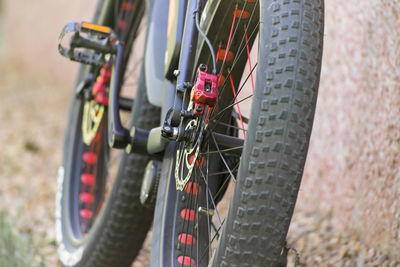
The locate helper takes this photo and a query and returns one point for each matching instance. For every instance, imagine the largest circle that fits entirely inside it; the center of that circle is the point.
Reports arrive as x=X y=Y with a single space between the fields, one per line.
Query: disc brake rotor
x=92 y=117
x=93 y=110
x=187 y=153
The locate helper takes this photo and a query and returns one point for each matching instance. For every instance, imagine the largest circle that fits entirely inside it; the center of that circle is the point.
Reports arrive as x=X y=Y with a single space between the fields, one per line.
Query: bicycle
x=188 y=145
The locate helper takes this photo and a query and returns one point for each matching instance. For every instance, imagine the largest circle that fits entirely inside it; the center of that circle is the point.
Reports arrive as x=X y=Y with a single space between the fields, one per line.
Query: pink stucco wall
x=353 y=166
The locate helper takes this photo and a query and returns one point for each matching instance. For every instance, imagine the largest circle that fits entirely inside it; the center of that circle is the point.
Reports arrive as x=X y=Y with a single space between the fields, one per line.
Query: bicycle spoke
x=230 y=125
x=219 y=228
x=231 y=105
x=211 y=196
x=248 y=56
x=228 y=46
x=234 y=63
x=238 y=55
x=219 y=50
x=218 y=173
x=247 y=78
x=222 y=157
x=223 y=150
x=129 y=73
x=235 y=98
x=208 y=206
x=215 y=230
x=225 y=182
x=238 y=107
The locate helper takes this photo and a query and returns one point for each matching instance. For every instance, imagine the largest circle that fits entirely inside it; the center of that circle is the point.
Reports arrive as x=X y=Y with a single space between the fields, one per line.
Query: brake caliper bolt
x=203 y=67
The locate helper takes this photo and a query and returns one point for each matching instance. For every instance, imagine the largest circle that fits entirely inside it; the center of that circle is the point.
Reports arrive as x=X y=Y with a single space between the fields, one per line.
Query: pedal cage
x=99 y=42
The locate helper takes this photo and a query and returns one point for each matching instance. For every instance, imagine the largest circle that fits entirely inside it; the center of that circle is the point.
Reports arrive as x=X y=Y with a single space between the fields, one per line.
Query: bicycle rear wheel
x=100 y=220
x=269 y=57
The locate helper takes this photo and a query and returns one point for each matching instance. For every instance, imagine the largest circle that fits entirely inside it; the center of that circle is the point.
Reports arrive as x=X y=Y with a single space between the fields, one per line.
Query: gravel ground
x=32 y=113
x=318 y=243
x=31 y=134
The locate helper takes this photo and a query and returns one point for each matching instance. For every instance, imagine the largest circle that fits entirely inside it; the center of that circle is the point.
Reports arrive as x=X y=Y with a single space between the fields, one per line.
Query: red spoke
x=240 y=113
x=228 y=45
x=219 y=50
x=248 y=56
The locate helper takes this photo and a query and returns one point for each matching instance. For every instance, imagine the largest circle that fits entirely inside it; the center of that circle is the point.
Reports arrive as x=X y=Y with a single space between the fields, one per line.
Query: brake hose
x=197 y=19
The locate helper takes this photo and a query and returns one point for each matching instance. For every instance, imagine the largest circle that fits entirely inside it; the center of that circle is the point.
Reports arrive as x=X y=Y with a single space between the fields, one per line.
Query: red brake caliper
x=204 y=91
x=90 y=158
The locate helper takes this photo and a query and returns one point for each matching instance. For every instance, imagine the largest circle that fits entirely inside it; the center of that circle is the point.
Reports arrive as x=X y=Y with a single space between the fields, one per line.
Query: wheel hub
x=150 y=182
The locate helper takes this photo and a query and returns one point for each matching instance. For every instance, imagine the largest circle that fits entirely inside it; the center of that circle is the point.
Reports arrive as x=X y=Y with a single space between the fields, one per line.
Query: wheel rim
x=86 y=198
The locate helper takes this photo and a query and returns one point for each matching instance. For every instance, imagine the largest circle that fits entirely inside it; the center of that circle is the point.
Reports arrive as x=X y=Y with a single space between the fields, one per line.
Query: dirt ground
x=32 y=113
x=34 y=98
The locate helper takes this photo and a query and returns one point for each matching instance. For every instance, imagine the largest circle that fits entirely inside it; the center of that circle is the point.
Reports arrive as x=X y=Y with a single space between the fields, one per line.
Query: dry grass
x=15 y=248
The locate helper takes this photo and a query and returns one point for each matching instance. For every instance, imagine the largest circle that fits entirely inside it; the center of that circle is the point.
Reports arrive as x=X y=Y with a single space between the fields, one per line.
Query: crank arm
x=119 y=136
x=135 y=141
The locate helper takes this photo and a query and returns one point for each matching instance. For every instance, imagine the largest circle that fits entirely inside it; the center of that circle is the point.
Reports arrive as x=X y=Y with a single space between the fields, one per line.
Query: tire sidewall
x=69 y=254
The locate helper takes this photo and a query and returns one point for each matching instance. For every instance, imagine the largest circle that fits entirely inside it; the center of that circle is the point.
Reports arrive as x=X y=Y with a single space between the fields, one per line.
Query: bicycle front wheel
x=269 y=61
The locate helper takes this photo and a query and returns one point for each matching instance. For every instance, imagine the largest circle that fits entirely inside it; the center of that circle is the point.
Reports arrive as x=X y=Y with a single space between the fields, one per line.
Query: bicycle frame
x=176 y=87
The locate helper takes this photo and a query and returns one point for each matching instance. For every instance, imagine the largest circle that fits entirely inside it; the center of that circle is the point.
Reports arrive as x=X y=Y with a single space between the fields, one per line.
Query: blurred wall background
x=30 y=34
x=353 y=167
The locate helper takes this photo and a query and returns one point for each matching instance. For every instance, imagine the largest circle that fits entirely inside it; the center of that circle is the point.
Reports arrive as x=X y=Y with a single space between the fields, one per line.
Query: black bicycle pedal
x=89 y=43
